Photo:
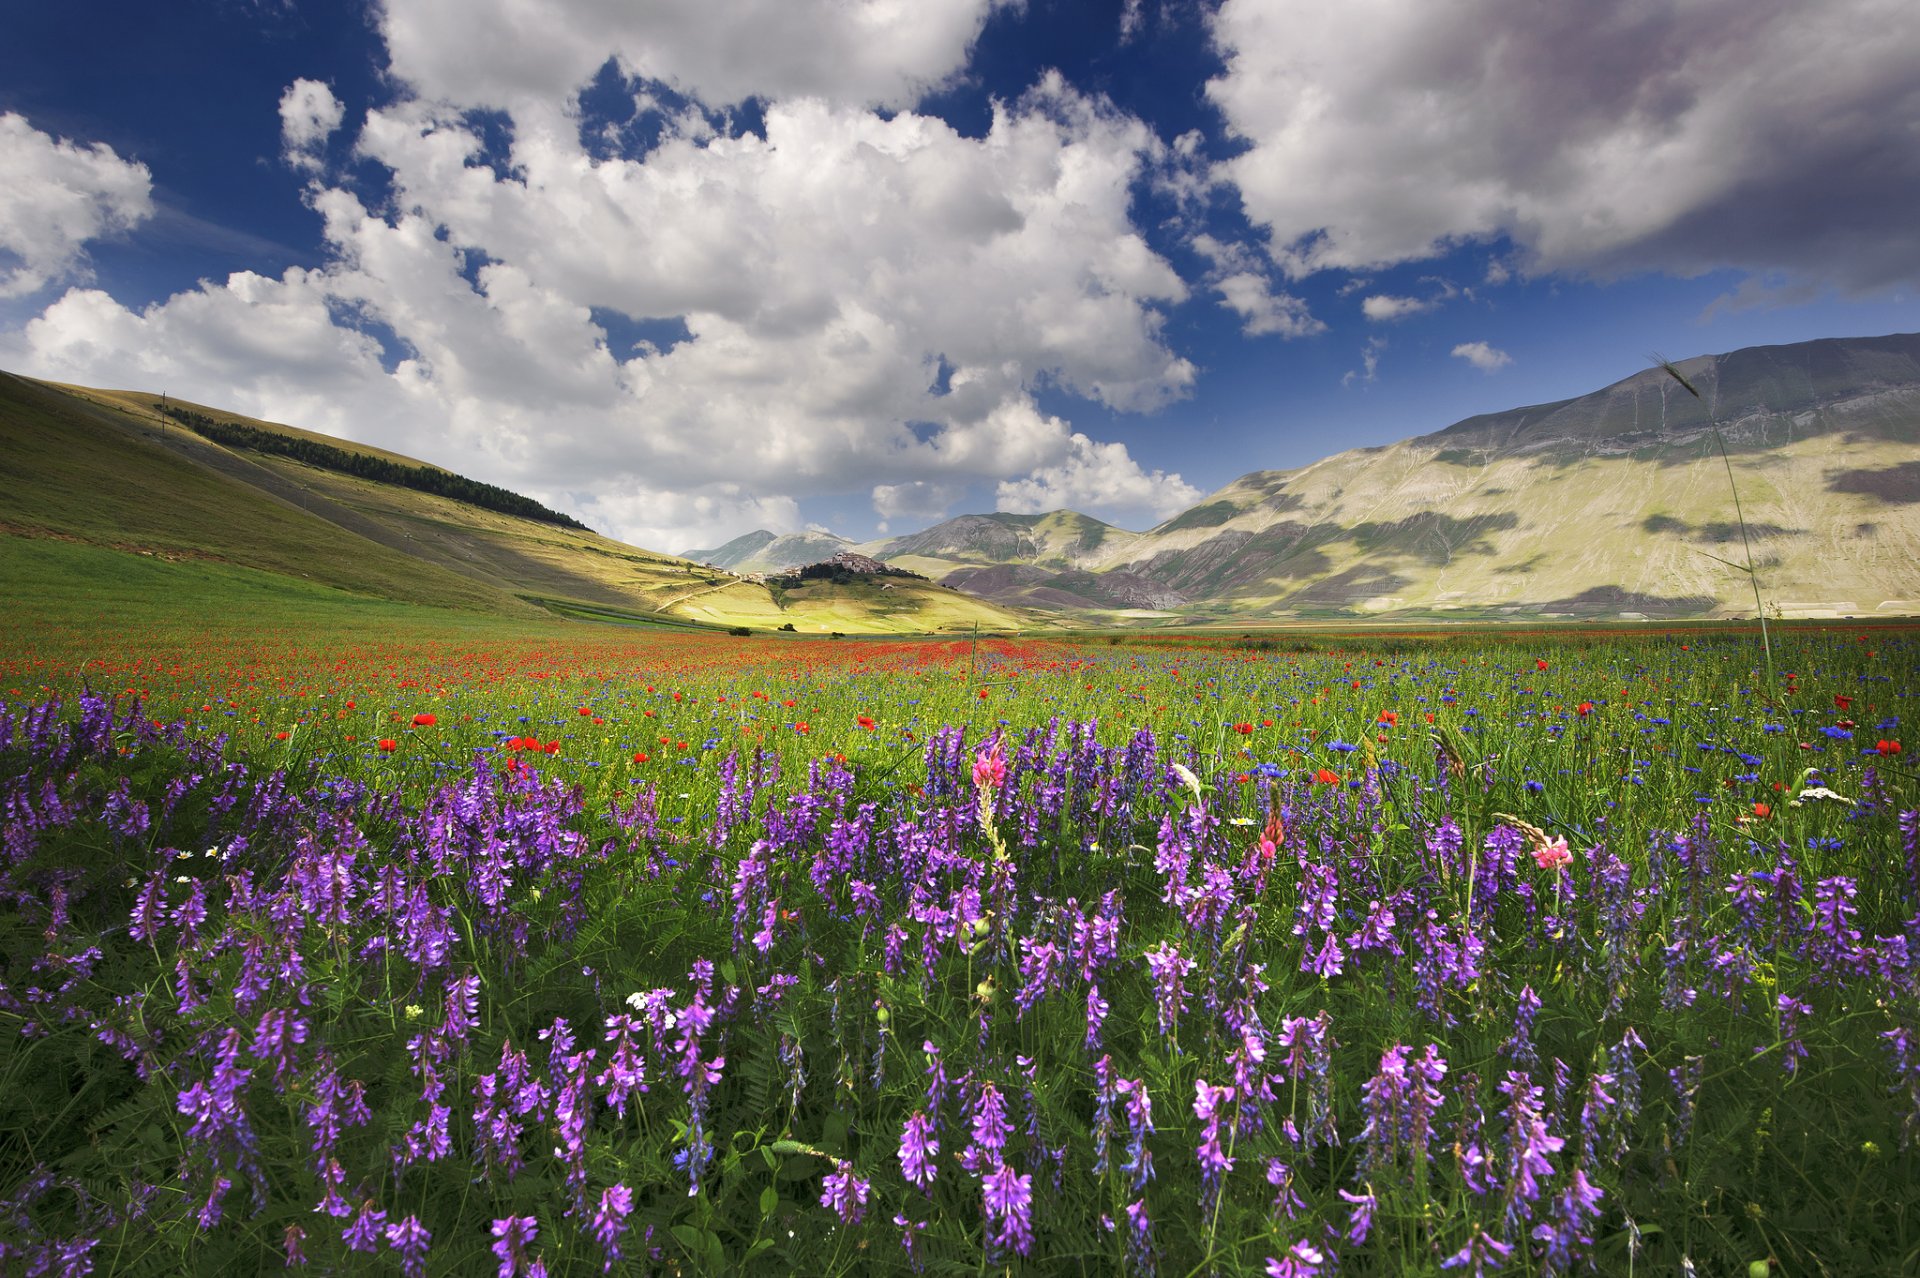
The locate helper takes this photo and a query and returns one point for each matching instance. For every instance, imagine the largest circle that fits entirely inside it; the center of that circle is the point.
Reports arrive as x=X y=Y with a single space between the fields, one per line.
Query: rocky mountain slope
x=1612 y=504
x=763 y=552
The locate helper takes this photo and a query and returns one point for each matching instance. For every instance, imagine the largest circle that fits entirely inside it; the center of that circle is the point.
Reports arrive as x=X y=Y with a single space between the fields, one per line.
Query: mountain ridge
x=1604 y=504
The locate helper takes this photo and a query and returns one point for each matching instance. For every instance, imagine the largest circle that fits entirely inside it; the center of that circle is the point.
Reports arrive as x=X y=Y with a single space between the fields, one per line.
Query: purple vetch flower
x=1376 y=932
x=1792 y=1050
x=1008 y=1198
x=1598 y=1107
x=1483 y=1251
x=220 y=1127
x=1139 y=1162
x=910 y=1231
x=1834 y=942
x=1306 y=1045
x=1519 y=1046
x=292 y=1242
x=1286 y=1199
x=919 y=1144
x=1906 y=1071
x=1142 y=1255
x=1327 y=962
x=990 y=1126
x=1302 y=1260
x=1910 y=844
x=1360 y=1223
x=626 y=1071
x=365 y=1232
x=1105 y=1093
x=936 y=1078
x=1096 y=1017
x=1209 y=1105
x=512 y=1236
x=411 y=1239
x=844 y=1193
x=1626 y=1073
x=1529 y=1145
x=209 y=1213
x=1170 y=998
x=463 y=1008
x=150 y=907
x=1040 y=972
x=1686 y=1080
x=277 y=1040
x=1561 y=1235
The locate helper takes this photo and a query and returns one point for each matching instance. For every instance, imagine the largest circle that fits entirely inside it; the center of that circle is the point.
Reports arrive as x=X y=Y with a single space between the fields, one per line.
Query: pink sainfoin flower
x=1553 y=855
x=990 y=767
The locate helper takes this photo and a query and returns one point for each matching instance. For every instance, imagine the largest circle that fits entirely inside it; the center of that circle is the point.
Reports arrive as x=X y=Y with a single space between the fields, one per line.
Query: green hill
x=108 y=469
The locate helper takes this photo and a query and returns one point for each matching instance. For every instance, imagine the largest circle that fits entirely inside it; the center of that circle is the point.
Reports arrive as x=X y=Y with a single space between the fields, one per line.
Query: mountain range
x=1615 y=504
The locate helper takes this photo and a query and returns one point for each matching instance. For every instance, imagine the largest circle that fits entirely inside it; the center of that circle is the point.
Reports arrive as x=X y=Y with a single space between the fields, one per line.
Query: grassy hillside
x=103 y=468
x=1612 y=505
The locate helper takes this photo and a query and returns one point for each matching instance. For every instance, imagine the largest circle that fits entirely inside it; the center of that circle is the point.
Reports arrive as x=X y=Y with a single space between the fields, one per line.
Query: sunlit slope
x=74 y=469
x=1616 y=502
x=1613 y=504
x=104 y=467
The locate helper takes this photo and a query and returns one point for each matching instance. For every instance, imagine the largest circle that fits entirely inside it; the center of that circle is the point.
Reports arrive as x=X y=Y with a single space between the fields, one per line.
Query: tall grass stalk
x=1746 y=542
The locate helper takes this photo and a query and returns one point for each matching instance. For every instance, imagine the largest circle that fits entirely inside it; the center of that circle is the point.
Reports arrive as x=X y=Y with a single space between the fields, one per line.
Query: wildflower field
x=571 y=951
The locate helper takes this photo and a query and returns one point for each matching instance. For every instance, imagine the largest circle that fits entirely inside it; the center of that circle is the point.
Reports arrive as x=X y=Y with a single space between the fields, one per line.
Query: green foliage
x=1808 y=1167
x=426 y=479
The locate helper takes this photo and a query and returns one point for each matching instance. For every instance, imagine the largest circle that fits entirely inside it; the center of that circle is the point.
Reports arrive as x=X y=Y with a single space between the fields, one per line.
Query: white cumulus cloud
x=309 y=114
x=1482 y=356
x=1245 y=288
x=56 y=196
x=818 y=278
x=1671 y=135
x=915 y=497
x=1384 y=307
x=513 y=53
x=1097 y=477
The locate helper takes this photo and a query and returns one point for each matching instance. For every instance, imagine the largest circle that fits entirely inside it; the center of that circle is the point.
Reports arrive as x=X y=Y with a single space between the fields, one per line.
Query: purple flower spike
x=1009 y=1200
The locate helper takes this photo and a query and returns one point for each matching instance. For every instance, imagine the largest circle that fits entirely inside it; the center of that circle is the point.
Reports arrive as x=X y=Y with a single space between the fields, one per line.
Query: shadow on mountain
x=1432 y=537
x=1037 y=587
x=1211 y=515
x=1608 y=599
x=1524 y=566
x=1344 y=589
x=1896 y=485
x=1720 y=531
x=1237 y=558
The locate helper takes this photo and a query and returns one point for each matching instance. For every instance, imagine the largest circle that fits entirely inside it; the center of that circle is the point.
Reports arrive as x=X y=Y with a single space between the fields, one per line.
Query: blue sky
x=691 y=269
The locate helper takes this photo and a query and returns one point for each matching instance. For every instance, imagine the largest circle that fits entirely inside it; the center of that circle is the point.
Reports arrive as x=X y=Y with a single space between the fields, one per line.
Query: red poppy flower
x=1842 y=703
x=640 y=756
x=1584 y=709
x=1887 y=747
x=865 y=722
x=553 y=747
x=1390 y=717
x=1244 y=729
x=388 y=743
x=424 y=721
x=1762 y=811
x=1541 y=664
x=1324 y=777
